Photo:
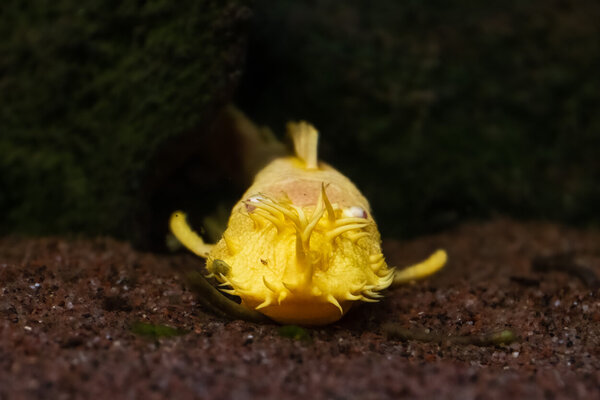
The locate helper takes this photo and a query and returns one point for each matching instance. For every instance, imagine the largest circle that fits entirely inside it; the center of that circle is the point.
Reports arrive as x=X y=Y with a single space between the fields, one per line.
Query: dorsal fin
x=306 y=139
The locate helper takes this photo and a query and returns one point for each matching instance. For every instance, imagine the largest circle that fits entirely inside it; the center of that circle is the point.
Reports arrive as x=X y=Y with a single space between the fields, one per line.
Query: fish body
x=301 y=245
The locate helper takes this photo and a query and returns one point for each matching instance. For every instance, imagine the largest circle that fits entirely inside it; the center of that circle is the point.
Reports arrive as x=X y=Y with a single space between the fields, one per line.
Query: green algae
x=156 y=331
x=89 y=92
x=294 y=332
x=440 y=111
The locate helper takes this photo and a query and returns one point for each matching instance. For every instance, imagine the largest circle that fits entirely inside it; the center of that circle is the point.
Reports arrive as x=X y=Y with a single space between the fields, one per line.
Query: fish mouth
x=305 y=313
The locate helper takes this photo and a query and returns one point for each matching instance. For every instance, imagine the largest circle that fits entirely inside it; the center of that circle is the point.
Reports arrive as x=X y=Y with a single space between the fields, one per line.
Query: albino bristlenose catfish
x=301 y=246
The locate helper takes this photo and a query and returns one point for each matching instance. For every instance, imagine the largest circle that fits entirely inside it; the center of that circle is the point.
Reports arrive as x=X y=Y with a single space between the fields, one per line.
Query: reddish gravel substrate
x=67 y=307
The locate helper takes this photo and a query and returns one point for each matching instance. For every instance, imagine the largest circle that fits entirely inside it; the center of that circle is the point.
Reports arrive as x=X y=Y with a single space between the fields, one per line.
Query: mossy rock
x=91 y=91
x=440 y=111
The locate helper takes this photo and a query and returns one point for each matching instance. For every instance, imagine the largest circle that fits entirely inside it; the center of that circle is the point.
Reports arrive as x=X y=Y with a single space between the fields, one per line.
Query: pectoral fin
x=434 y=263
x=187 y=236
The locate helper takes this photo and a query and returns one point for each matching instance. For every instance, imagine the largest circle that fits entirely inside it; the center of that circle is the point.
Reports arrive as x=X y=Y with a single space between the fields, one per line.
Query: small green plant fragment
x=294 y=332
x=156 y=331
x=503 y=337
x=220 y=267
x=496 y=338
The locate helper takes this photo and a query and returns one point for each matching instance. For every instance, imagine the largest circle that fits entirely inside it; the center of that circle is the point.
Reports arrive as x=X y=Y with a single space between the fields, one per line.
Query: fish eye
x=355 y=212
x=252 y=199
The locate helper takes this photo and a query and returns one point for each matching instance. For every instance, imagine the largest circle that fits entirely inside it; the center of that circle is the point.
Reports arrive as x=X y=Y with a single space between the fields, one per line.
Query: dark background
x=439 y=111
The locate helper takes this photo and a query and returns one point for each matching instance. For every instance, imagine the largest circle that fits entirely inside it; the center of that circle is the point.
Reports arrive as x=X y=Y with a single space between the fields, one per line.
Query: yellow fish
x=301 y=246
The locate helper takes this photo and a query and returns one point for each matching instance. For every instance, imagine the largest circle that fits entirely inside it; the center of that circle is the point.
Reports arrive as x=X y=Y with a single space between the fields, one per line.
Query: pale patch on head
x=354 y=212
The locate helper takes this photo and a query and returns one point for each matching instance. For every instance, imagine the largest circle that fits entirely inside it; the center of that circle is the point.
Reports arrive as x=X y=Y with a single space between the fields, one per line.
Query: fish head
x=297 y=264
